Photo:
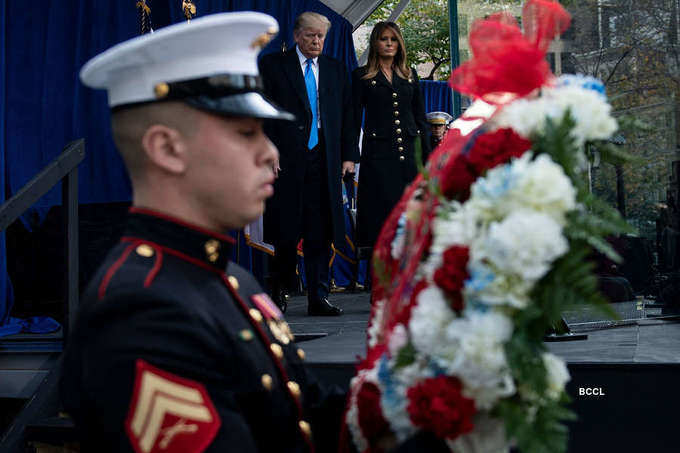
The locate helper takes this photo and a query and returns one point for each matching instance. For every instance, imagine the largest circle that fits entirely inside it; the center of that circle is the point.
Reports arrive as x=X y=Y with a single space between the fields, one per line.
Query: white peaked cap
x=210 y=63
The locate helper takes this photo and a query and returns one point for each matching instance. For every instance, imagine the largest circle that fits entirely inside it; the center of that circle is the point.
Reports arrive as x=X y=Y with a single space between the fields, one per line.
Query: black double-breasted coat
x=177 y=349
x=394 y=115
x=284 y=84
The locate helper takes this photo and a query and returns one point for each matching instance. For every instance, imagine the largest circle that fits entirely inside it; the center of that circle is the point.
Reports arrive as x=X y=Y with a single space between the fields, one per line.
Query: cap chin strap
x=215 y=86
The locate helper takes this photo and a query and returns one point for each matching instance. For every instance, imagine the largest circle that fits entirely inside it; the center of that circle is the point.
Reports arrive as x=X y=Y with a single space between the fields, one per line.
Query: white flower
x=544 y=187
x=589 y=109
x=473 y=350
x=524 y=244
x=494 y=288
x=393 y=400
x=539 y=184
x=399 y=240
x=376 y=323
x=398 y=339
x=429 y=318
x=455 y=224
x=557 y=376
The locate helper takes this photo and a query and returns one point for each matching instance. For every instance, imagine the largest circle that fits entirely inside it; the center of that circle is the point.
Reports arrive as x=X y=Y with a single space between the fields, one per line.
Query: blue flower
x=585 y=82
x=389 y=394
x=436 y=369
x=496 y=186
x=480 y=277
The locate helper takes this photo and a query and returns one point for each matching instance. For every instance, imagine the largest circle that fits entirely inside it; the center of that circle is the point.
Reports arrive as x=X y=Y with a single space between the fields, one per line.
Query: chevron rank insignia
x=169 y=413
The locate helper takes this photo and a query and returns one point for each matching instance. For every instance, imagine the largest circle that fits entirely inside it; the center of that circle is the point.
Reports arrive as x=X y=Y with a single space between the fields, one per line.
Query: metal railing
x=65 y=169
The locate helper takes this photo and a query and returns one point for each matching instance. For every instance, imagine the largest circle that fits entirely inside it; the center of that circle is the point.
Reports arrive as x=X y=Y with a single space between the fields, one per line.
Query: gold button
x=394 y=95
x=373 y=134
x=285 y=328
x=255 y=314
x=373 y=82
x=161 y=90
x=396 y=113
x=211 y=246
x=294 y=388
x=395 y=103
x=267 y=381
x=144 y=250
x=246 y=334
x=212 y=258
x=401 y=158
x=277 y=350
x=233 y=281
x=301 y=354
x=399 y=140
x=398 y=131
x=401 y=148
x=397 y=122
x=277 y=332
x=305 y=428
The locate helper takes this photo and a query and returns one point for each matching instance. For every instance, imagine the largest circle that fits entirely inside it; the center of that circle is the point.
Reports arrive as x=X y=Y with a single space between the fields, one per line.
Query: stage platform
x=625 y=386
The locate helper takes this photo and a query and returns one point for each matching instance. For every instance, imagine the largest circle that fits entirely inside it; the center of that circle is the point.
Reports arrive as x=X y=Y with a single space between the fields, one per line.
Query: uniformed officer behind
x=176 y=348
x=439 y=122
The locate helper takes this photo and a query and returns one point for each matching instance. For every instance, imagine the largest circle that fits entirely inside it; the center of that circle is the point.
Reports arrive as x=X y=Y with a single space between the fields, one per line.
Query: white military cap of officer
x=438 y=118
x=209 y=63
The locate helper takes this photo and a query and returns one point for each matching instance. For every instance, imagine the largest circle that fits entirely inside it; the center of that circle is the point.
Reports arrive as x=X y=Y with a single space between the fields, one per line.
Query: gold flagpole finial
x=189 y=9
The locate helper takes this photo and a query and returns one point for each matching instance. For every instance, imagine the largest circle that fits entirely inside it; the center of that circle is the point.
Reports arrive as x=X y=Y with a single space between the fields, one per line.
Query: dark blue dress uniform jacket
x=162 y=301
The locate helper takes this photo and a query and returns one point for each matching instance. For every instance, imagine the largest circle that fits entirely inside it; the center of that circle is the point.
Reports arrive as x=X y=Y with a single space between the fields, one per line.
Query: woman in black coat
x=386 y=92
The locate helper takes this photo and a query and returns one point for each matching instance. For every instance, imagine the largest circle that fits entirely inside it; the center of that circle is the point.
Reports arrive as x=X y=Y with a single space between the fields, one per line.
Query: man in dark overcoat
x=177 y=349
x=316 y=150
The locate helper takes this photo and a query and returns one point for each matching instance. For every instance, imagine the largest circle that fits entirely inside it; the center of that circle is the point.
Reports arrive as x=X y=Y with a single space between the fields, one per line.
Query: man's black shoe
x=281 y=300
x=322 y=307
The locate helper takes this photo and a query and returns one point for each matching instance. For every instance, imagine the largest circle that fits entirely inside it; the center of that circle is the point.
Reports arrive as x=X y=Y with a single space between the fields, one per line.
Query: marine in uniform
x=177 y=349
x=439 y=123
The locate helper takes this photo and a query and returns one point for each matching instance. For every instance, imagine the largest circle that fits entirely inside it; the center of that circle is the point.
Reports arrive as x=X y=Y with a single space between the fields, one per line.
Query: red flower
x=453 y=273
x=496 y=148
x=438 y=405
x=457 y=177
x=371 y=421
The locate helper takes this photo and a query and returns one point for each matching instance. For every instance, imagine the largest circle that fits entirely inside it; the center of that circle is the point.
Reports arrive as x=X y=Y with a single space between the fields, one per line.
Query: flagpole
x=455 y=52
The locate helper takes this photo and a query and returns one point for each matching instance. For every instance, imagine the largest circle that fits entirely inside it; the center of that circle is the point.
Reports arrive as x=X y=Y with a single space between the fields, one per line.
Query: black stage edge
x=625 y=386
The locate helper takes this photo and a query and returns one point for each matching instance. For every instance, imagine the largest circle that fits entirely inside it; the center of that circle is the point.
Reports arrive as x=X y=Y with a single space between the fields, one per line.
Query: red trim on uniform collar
x=136 y=241
x=169 y=218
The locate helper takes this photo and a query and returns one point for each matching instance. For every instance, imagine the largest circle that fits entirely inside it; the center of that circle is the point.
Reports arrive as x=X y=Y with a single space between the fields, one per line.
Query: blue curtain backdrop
x=43 y=106
x=5 y=284
x=437 y=96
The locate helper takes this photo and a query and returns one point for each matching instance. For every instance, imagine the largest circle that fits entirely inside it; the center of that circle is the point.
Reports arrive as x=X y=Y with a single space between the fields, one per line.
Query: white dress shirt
x=315 y=70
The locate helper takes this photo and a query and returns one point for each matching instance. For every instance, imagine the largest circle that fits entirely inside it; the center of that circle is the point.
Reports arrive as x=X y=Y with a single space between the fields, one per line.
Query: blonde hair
x=400 y=64
x=309 y=19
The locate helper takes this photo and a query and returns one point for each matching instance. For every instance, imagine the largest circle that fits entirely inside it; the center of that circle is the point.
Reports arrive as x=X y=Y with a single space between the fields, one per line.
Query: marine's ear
x=166 y=148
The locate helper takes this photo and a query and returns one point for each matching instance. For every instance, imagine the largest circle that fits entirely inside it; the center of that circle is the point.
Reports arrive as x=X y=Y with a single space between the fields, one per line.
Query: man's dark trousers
x=316 y=232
